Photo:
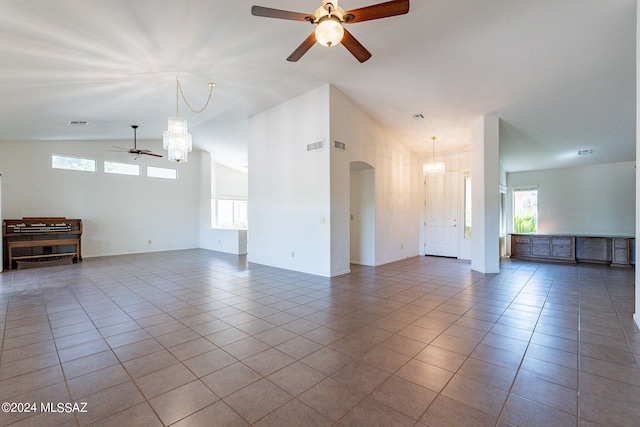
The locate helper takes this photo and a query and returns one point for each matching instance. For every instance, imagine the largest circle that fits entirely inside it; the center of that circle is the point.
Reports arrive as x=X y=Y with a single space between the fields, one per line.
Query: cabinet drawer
x=540 y=240
x=564 y=241
x=621 y=243
x=540 y=250
x=521 y=249
x=562 y=251
x=521 y=239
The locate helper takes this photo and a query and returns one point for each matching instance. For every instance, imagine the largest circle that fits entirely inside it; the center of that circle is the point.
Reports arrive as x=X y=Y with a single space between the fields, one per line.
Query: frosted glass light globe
x=329 y=32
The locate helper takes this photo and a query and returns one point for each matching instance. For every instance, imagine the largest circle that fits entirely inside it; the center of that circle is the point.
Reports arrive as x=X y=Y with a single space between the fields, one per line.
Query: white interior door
x=441 y=219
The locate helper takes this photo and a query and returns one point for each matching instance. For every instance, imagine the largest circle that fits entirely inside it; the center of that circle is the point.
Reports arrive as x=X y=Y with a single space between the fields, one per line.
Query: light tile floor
x=198 y=338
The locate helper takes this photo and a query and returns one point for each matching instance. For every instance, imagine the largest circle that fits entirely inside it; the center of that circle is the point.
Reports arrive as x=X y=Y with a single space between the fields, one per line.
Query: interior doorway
x=441 y=214
x=362 y=214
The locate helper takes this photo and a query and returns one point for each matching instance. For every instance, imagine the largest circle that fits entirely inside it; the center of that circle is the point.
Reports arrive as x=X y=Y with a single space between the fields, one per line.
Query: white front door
x=441 y=215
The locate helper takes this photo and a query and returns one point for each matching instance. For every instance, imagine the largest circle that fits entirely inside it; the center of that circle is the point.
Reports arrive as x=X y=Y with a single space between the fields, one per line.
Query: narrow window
x=121 y=168
x=525 y=211
x=467 y=207
x=73 y=163
x=165 y=173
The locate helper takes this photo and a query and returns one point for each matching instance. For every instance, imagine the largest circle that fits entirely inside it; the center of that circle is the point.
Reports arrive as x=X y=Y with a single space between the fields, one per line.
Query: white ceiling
x=559 y=73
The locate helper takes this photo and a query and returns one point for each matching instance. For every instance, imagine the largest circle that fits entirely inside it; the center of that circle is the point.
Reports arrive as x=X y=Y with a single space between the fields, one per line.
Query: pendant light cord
x=179 y=91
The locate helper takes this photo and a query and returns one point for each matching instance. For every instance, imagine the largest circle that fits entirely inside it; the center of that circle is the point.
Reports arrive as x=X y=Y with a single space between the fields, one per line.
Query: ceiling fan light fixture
x=329 y=31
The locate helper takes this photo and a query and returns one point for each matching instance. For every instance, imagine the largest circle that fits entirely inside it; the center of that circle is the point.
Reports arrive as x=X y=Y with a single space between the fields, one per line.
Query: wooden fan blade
x=152 y=154
x=303 y=48
x=377 y=11
x=354 y=46
x=119 y=148
x=267 y=12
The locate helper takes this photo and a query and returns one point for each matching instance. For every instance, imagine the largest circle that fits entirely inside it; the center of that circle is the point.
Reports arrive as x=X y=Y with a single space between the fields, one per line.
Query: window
x=525 y=211
x=73 y=163
x=467 y=207
x=229 y=213
x=162 y=173
x=121 y=168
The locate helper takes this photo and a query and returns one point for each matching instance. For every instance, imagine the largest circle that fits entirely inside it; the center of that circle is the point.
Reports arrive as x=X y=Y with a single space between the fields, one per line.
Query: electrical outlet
x=149 y=241
x=293 y=254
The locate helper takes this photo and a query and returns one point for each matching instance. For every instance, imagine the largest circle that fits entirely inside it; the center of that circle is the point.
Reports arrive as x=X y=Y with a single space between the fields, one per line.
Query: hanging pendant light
x=433 y=168
x=177 y=139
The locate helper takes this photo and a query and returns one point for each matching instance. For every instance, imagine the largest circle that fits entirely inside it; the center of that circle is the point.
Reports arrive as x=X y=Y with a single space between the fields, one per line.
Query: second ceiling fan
x=329 y=20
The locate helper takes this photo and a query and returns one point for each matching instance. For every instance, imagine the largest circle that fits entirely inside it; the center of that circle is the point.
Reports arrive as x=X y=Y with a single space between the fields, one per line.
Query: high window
x=121 y=168
x=73 y=163
x=165 y=173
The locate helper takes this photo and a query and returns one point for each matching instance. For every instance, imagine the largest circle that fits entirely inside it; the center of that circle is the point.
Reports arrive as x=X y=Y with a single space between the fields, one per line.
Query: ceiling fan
x=329 y=20
x=135 y=152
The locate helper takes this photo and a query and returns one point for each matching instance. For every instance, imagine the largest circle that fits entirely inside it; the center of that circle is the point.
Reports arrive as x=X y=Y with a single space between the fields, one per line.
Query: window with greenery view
x=525 y=211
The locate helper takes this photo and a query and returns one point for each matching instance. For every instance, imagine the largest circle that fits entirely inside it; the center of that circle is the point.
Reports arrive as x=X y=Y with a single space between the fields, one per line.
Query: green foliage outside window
x=525 y=222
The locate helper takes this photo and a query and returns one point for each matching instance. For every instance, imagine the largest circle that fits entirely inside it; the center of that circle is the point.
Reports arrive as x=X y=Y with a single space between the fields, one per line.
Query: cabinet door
x=563 y=247
x=540 y=246
x=520 y=246
x=621 y=255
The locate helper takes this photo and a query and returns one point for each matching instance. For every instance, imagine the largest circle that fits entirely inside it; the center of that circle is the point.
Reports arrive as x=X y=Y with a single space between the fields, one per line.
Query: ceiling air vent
x=586 y=152
x=418 y=116
x=315 y=146
x=339 y=145
x=78 y=123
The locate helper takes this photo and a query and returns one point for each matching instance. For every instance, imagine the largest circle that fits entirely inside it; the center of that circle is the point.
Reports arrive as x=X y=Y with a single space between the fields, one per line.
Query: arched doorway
x=362 y=214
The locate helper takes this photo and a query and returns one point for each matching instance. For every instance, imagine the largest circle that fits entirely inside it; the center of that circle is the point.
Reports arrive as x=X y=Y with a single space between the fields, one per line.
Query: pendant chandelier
x=433 y=167
x=177 y=139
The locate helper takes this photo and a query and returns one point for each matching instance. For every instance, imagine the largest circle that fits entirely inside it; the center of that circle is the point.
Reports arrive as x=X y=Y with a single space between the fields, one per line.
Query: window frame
x=215 y=220
x=137 y=172
x=156 y=168
x=467 y=206
x=516 y=211
x=79 y=169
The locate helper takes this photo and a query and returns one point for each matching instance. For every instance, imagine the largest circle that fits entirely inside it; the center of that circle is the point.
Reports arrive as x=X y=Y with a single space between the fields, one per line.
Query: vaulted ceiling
x=559 y=74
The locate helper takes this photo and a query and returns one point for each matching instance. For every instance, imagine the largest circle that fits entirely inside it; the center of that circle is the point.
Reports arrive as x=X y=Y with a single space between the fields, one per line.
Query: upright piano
x=41 y=241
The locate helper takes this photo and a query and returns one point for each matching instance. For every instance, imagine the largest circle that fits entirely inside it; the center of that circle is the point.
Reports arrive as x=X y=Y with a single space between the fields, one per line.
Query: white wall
x=397 y=186
x=485 y=211
x=597 y=199
x=229 y=182
x=120 y=214
x=290 y=206
x=363 y=217
x=636 y=315
x=300 y=200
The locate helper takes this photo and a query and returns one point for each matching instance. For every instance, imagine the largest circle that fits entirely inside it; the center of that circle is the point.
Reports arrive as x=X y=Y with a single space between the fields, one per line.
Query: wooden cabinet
x=594 y=249
x=621 y=252
x=615 y=251
x=543 y=247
